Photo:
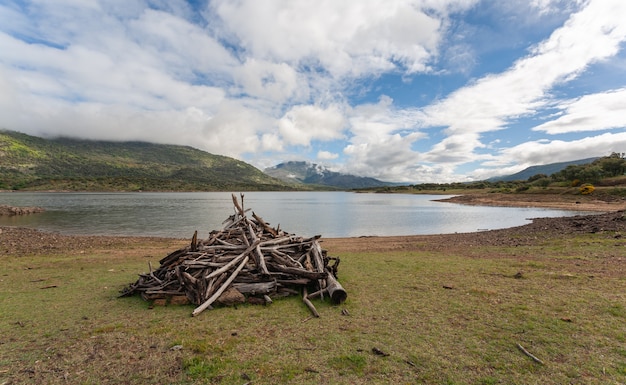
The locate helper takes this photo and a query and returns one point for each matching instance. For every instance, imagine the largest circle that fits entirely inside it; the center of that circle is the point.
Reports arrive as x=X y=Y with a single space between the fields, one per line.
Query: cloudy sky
x=400 y=90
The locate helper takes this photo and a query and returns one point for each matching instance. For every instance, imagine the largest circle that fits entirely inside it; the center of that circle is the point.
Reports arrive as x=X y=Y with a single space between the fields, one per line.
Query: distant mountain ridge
x=305 y=173
x=547 y=169
x=33 y=163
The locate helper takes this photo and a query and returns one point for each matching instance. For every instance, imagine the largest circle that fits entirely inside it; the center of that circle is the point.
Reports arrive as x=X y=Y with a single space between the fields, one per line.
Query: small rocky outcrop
x=12 y=210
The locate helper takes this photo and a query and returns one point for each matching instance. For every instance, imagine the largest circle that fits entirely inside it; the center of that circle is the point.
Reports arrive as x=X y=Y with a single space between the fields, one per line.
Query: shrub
x=586 y=189
x=542 y=182
x=522 y=188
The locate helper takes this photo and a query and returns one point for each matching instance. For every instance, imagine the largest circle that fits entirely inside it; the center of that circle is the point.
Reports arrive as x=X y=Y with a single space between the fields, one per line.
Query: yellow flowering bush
x=586 y=189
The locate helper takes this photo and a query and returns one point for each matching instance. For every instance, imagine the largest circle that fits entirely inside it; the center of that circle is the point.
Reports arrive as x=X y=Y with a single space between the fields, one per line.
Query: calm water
x=330 y=214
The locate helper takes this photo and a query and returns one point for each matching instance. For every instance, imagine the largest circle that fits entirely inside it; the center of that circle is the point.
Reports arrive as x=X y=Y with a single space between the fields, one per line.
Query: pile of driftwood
x=247 y=260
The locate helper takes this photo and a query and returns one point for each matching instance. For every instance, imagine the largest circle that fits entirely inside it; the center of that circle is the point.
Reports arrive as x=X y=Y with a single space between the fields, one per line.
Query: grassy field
x=441 y=314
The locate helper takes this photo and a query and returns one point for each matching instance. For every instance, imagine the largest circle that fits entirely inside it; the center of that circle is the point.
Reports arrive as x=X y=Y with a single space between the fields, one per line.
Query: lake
x=330 y=214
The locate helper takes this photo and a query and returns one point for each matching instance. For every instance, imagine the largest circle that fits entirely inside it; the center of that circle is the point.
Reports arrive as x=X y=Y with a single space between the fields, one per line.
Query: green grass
x=61 y=321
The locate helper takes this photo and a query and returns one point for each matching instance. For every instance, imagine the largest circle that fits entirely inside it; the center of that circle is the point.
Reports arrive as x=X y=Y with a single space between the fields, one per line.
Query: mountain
x=305 y=173
x=547 y=169
x=33 y=163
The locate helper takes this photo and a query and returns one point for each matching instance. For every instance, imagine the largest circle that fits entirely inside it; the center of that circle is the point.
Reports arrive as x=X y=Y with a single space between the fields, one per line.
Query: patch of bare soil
x=18 y=241
x=602 y=203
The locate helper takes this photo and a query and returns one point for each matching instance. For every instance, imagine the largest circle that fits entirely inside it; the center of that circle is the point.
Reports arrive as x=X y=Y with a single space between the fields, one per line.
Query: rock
x=230 y=297
x=179 y=300
x=11 y=210
x=159 y=302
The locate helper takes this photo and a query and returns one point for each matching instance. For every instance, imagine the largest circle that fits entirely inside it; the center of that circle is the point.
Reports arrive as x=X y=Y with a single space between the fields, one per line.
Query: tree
x=614 y=165
x=537 y=177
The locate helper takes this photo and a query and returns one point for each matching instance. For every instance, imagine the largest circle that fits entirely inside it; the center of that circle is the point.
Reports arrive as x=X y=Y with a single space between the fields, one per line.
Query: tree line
x=605 y=171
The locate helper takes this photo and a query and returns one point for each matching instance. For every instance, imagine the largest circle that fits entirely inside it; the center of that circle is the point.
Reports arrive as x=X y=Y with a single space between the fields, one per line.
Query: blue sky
x=403 y=91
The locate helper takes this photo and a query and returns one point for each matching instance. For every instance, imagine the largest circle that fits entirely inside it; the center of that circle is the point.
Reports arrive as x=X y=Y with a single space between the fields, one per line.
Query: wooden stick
x=260 y=260
x=232 y=263
x=537 y=360
x=194 y=241
x=219 y=292
x=214 y=286
x=152 y=273
x=308 y=303
x=300 y=272
x=255 y=288
x=237 y=206
x=318 y=261
x=316 y=294
x=265 y=225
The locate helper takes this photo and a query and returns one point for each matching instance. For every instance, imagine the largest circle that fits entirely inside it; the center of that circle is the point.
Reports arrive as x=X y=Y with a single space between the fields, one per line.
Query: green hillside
x=546 y=169
x=32 y=163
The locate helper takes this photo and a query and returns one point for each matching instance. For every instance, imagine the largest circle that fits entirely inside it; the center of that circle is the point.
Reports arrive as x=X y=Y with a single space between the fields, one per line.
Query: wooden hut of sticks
x=246 y=261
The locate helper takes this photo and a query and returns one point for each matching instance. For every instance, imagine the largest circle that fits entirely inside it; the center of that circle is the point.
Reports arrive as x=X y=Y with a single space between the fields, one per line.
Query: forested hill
x=33 y=163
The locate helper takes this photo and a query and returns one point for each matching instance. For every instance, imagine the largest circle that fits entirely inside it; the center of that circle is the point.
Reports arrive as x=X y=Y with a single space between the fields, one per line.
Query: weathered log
x=216 y=295
x=285 y=259
x=264 y=224
x=232 y=263
x=256 y=288
x=259 y=259
x=293 y=282
x=318 y=262
x=194 y=241
x=336 y=292
x=237 y=206
x=216 y=283
x=300 y=272
x=173 y=257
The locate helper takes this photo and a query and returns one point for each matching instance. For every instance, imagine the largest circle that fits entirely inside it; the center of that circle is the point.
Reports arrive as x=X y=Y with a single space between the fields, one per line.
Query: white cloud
x=455 y=149
x=373 y=121
x=343 y=38
x=594 y=112
x=388 y=157
x=553 y=6
x=326 y=155
x=233 y=130
x=271 y=142
x=304 y=123
x=551 y=151
x=267 y=80
x=180 y=47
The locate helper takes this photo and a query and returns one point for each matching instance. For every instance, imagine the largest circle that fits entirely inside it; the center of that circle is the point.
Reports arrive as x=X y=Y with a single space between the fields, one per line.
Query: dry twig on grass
x=537 y=360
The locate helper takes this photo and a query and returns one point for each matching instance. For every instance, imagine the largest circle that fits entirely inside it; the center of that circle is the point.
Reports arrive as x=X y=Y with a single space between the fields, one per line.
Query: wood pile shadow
x=246 y=261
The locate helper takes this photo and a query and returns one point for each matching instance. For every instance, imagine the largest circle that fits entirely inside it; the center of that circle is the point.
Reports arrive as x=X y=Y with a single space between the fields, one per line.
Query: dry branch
x=537 y=360
x=246 y=258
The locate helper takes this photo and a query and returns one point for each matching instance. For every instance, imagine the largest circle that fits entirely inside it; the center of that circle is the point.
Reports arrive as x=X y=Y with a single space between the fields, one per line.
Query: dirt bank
x=602 y=203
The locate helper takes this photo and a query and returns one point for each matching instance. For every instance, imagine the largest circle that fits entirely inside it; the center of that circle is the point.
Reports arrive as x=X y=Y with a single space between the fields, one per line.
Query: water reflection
x=331 y=214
